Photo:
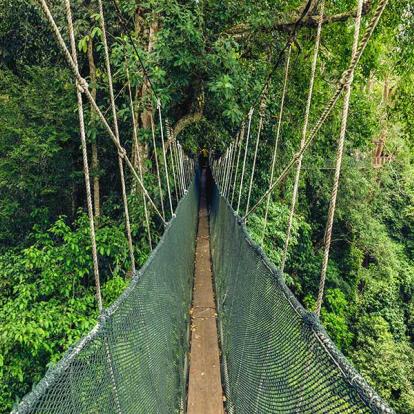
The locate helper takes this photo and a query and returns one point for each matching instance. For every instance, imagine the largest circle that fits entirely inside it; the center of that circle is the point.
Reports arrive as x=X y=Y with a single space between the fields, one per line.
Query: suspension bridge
x=224 y=334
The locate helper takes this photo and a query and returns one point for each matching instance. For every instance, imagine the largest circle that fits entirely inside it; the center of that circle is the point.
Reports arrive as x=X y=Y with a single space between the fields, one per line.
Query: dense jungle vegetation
x=208 y=61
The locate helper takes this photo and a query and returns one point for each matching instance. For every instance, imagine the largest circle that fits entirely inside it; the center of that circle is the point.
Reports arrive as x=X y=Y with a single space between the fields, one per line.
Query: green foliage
x=48 y=298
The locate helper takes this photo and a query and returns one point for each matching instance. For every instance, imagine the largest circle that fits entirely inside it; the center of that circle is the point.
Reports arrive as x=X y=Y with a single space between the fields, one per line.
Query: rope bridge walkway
x=275 y=356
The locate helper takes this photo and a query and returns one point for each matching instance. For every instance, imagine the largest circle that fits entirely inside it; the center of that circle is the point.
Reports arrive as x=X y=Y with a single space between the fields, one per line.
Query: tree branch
x=310 y=20
x=182 y=124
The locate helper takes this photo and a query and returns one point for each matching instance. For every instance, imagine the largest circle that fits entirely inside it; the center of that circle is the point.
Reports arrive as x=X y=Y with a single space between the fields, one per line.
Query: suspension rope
x=279 y=127
x=116 y=131
x=138 y=155
x=167 y=176
x=168 y=131
x=225 y=166
x=223 y=169
x=331 y=103
x=180 y=153
x=226 y=188
x=157 y=165
x=232 y=159
x=259 y=131
x=85 y=164
x=177 y=163
x=245 y=157
x=89 y=201
x=83 y=85
x=179 y=171
x=339 y=157
x=187 y=169
x=241 y=137
x=304 y=132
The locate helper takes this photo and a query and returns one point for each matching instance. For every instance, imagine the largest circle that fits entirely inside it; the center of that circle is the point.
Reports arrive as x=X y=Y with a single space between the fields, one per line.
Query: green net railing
x=276 y=356
x=133 y=361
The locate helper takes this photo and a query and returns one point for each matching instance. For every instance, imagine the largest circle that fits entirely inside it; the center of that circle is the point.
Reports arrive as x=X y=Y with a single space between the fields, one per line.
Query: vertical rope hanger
x=233 y=157
x=339 y=156
x=138 y=154
x=85 y=163
x=241 y=137
x=180 y=154
x=169 y=136
x=116 y=131
x=167 y=176
x=231 y=151
x=157 y=165
x=279 y=127
x=227 y=169
x=89 y=202
x=259 y=131
x=304 y=133
x=245 y=158
x=178 y=169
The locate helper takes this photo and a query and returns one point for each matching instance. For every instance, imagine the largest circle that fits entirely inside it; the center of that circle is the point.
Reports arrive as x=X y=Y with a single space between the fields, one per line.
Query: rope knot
x=122 y=153
x=82 y=85
x=158 y=103
x=251 y=112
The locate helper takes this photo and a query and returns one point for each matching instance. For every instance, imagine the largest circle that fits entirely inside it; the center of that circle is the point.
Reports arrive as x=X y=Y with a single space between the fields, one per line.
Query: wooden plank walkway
x=205 y=395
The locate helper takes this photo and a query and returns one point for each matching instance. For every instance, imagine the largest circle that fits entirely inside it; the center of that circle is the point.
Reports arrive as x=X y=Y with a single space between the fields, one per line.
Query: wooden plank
x=204 y=387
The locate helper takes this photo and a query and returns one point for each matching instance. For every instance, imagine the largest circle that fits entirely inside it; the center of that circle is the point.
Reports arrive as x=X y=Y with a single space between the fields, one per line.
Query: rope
x=332 y=102
x=167 y=176
x=304 y=132
x=229 y=172
x=116 y=130
x=177 y=163
x=83 y=85
x=89 y=200
x=226 y=169
x=157 y=166
x=168 y=130
x=180 y=153
x=232 y=158
x=241 y=137
x=339 y=156
x=279 y=125
x=220 y=172
x=259 y=131
x=179 y=170
x=183 y=166
x=85 y=164
x=138 y=155
x=223 y=162
x=245 y=157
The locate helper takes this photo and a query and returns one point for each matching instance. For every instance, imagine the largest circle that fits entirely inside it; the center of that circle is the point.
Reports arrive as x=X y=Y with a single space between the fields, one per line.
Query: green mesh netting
x=133 y=361
x=276 y=357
